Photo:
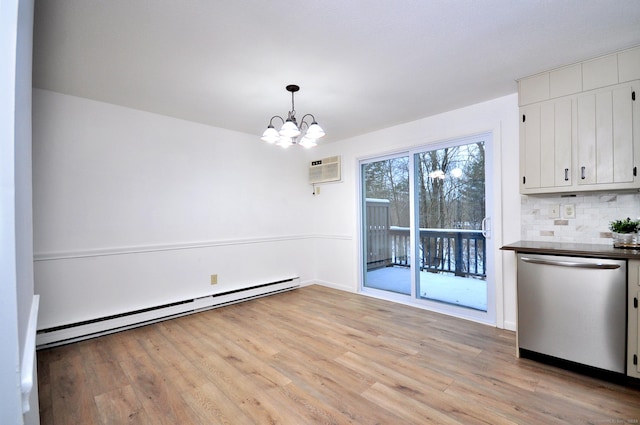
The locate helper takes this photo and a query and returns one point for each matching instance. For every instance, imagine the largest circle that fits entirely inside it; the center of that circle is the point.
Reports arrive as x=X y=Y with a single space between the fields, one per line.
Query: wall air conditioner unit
x=324 y=170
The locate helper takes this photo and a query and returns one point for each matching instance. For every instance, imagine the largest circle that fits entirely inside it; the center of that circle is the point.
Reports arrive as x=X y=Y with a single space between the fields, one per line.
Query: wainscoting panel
x=78 y=287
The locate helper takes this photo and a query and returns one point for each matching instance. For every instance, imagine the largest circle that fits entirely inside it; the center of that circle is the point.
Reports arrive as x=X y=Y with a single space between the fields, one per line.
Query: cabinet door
x=562 y=142
x=530 y=148
x=545 y=145
x=605 y=136
x=635 y=360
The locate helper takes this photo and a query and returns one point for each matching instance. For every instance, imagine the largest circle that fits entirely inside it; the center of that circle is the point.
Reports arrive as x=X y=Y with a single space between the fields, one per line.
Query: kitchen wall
x=593 y=212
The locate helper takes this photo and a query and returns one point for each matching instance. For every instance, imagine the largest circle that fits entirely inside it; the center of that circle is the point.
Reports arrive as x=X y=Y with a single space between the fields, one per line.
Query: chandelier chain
x=292 y=114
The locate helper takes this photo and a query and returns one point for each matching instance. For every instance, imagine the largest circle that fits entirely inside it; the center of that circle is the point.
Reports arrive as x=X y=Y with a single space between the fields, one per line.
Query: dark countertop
x=575 y=249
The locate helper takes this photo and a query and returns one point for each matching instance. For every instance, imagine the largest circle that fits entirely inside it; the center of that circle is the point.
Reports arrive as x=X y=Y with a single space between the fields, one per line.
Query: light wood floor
x=317 y=356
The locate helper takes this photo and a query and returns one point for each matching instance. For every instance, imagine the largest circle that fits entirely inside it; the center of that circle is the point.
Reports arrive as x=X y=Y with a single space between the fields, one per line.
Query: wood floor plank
x=154 y=387
x=73 y=401
x=174 y=332
x=309 y=408
x=394 y=375
x=422 y=388
x=524 y=409
x=45 y=402
x=413 y=412
x=103 y=370
x=181 y=372
x=318 y=355
x=214 y=407
x=245 y=362
x=247 y=336
x=333 y=385
x=121 y=406
x=237 y=387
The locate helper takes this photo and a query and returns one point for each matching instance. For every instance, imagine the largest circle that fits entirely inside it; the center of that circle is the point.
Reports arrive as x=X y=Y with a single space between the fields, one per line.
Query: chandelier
x=291 y=133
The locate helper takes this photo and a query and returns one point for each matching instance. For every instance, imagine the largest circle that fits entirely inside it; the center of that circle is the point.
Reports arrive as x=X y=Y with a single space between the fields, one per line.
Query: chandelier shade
x=307 y=142
x=305 y=134
x=270 y=135
x=289 y=129
x=285 y=142
x=314 y=131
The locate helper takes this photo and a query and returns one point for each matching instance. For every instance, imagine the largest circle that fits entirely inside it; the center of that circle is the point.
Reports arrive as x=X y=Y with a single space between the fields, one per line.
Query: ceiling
x=362 y=65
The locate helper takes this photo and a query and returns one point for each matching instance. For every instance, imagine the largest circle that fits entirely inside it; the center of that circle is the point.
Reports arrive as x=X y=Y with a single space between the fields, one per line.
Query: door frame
x=494 y=263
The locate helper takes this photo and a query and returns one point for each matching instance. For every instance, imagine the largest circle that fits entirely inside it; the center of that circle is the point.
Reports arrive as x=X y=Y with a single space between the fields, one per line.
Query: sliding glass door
x=424 y=227
x=450 y=182
x=386 y=221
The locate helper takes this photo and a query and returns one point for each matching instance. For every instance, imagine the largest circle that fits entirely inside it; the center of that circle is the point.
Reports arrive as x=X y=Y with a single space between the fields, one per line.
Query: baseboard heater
x=74 y=332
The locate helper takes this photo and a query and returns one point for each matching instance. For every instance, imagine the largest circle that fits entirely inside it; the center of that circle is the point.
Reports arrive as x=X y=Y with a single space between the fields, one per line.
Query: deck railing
x=462 y=252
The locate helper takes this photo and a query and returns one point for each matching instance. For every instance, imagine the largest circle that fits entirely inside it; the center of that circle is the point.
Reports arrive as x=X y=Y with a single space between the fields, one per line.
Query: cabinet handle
x=566 y=174
x=582 y=173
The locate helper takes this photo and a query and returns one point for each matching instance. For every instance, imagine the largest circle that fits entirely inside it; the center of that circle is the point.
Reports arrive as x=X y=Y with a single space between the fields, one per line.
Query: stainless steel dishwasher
x=573 y=308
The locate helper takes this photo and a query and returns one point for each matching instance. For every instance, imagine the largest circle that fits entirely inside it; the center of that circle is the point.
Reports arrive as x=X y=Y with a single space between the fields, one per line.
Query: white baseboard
x=90 y=329
x=510 y=326
x=334 y=286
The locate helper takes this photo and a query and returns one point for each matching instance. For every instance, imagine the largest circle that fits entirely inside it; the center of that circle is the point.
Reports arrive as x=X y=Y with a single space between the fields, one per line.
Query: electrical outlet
x=554 y=211
x=214 y=279
x=569 y=211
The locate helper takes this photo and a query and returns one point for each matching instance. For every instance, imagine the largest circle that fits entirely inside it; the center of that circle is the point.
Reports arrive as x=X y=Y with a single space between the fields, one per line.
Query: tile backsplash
x=581 y=218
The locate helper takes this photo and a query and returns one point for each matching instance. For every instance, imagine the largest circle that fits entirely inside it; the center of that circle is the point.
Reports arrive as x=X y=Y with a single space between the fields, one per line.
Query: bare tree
x=389 y=179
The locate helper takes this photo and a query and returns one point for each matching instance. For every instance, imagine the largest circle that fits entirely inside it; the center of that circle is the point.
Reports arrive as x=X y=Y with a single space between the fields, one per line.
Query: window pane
x=451 y=207
x=386 y=225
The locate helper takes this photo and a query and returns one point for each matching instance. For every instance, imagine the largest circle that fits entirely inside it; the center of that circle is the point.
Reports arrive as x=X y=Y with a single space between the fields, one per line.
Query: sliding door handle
x=486 y=227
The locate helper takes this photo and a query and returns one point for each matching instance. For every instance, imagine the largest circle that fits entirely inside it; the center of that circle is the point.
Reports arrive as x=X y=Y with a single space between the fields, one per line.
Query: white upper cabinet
x=546 y=146
x=605 y=136
x=533 y=89
x=629 y=65
x=600 y=72
x=621 y=67
x=580 y=126
x=565 y=81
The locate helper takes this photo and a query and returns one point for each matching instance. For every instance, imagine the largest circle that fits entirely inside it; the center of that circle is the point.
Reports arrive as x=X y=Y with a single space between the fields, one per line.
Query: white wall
x=16 y=254
x=133 y=210
x=10 y=403
x=336 y=208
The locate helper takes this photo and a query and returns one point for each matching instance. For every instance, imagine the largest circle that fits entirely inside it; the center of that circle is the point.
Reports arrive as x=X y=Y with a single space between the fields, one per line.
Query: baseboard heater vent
x=79 y=331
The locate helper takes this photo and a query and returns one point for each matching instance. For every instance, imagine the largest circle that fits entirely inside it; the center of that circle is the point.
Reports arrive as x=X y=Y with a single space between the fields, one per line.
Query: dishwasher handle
x=570 y=264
